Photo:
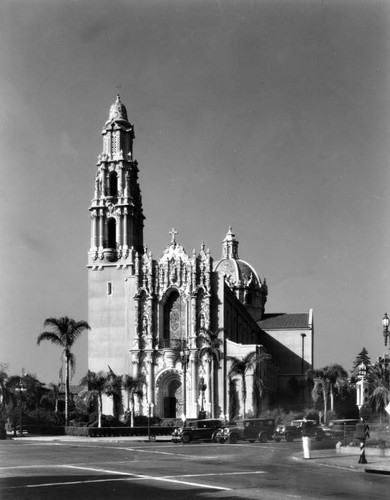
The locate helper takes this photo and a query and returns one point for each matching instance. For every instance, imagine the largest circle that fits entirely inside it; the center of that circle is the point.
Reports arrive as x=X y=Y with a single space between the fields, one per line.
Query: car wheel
x=263 y=437
x=233 y=439
x=289 y=438
x=186 y=438
x=214 y=437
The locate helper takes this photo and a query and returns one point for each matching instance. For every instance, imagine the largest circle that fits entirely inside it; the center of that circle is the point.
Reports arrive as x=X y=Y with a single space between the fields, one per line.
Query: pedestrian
x=306 y=438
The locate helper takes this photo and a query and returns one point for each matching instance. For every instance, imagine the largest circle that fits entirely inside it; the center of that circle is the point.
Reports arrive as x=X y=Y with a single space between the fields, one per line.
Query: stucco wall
x=109 y=342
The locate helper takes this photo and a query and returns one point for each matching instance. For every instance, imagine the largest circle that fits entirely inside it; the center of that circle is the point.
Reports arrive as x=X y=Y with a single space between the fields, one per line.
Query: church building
x=181 y=320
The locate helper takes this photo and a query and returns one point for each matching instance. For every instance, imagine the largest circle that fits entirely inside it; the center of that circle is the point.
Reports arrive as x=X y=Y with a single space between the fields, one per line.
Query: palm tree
x=240 y=367
x=211 y=347
x=326 y=381
x=133 y=387
x=379 y=384
x=4 y=398
x=258 y=382
x=338 y=381
x=55 y=390
x=64 y=332
x=113 y=388
x=96 y=385
x=321 y=387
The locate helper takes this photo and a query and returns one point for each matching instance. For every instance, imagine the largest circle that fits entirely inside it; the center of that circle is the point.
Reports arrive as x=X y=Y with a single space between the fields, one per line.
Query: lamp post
x=20 y=389
x=386 y=334
x=303 y=335
x=202 y=387
x=184 y=358
x=150 y=414
x=362 y=429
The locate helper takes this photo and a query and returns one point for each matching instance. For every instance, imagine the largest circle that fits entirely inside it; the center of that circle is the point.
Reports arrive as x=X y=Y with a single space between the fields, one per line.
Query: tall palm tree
x=240 y=368
x=64 y=332
x=133 y=387
x=96 y=385
x=211 y=347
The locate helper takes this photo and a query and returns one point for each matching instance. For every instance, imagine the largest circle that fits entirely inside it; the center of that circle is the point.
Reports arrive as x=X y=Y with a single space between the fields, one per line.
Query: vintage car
x=250 y=429
x=204 y=429
x=343 y=428
x=294 y=431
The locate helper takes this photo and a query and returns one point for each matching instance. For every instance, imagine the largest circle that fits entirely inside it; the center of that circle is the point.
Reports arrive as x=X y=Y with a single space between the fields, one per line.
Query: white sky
x=270 y=116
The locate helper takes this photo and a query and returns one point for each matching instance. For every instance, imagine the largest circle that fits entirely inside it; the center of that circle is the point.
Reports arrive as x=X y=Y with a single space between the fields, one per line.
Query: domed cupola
x=117 y=111
x=241 y=277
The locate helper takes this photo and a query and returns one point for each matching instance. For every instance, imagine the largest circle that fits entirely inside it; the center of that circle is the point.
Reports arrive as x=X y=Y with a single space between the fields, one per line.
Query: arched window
x=111 y=229
x=174 y=318
x=113 y=184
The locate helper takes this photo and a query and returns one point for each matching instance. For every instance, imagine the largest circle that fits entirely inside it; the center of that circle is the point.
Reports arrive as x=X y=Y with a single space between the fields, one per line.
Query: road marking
x=163 y=453
x=168 y=479
x=140 y=477
x=220 y=474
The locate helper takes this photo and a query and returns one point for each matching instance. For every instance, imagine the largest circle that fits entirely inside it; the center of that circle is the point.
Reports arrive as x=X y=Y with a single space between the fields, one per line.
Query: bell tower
x=116 y=210
x=116 y=245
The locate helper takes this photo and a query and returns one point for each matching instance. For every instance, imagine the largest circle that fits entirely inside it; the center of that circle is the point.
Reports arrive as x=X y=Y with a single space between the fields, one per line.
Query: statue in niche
x=173 y=275
x=145 y=329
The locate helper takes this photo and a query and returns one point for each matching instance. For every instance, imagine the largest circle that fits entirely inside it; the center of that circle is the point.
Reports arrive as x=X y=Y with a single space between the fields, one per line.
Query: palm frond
x=51 y=337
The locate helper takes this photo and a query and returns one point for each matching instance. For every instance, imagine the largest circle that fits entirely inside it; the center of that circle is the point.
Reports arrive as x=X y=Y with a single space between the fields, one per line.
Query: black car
x=294 y=431
x=204 y=429
x=250 y=429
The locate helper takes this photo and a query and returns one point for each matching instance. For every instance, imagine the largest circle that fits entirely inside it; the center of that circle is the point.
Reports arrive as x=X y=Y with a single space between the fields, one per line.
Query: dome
x=118 y=111
x=237 y=271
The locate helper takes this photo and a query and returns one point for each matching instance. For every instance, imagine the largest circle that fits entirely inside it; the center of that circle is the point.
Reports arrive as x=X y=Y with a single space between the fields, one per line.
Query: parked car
x=251 y=429
x=343 y=428
x=294 y=431
x=204 y=429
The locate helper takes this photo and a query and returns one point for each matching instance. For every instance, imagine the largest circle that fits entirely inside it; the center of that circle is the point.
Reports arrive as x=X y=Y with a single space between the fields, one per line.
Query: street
x=163 y=470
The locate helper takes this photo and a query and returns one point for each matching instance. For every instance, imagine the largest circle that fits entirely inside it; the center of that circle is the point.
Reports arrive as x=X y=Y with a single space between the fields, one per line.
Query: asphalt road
x=163 y=470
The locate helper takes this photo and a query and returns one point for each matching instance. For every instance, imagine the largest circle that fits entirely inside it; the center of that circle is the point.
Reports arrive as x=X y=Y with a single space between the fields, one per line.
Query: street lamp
x=385 y=324
x=20 y=389
x=202 y=387
x=303 y=335
x=150 y=414
x=184 y=358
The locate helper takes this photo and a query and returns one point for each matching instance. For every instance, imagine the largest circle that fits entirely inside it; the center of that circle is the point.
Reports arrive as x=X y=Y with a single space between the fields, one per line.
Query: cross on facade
x=173 y=233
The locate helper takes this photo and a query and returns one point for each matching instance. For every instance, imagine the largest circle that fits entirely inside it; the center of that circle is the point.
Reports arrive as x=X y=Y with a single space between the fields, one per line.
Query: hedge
x=117 y=431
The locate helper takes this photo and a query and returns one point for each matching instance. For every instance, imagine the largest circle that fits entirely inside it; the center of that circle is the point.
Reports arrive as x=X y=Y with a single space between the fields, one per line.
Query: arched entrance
x=170 y=396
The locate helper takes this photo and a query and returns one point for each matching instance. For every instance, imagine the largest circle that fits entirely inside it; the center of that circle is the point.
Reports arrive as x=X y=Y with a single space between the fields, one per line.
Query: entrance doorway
x=169 y=407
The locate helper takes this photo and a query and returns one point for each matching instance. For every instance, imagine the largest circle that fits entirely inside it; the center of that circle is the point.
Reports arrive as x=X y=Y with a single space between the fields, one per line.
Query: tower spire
x=116 y=210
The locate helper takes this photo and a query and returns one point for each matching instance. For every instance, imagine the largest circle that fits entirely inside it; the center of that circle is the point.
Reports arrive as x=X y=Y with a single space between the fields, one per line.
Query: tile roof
x=283 y=321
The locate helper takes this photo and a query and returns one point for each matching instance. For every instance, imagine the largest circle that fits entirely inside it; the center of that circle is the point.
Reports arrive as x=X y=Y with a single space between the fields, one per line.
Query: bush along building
x=182 y=321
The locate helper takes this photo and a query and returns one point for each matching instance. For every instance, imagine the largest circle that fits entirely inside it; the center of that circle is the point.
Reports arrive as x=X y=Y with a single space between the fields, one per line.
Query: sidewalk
x=330 y=458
